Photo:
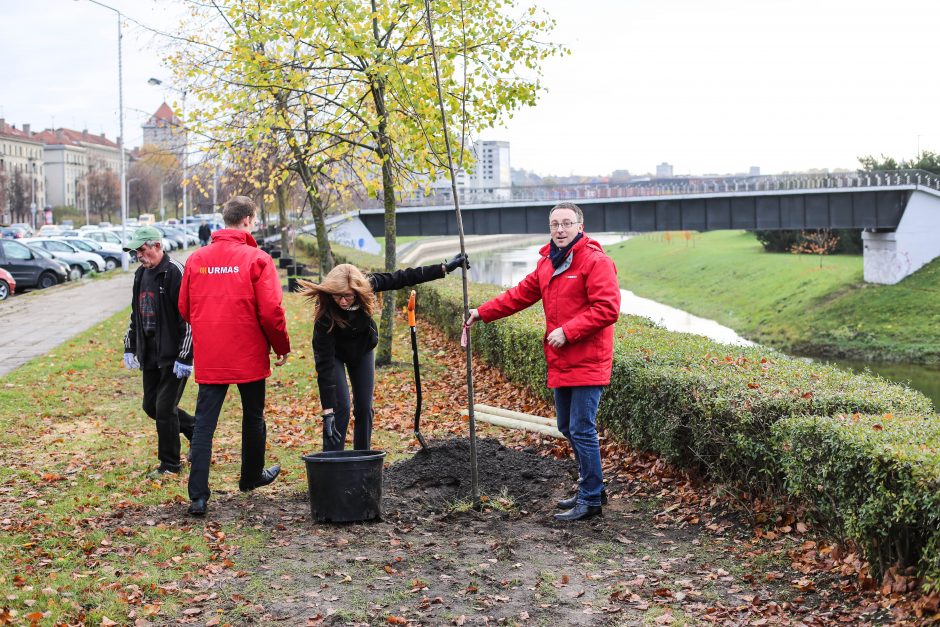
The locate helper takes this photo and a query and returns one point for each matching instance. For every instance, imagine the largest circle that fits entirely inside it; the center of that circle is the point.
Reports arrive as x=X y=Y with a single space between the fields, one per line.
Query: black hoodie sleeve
x=324 y=352
x=384 y=281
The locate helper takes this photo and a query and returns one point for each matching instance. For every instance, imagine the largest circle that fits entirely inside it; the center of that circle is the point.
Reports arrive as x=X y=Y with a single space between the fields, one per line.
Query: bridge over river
x=898 y=212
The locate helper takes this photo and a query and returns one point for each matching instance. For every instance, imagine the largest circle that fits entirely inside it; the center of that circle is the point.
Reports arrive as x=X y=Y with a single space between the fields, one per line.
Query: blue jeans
x=577 y=420
x=362 y=377
x=254 y=433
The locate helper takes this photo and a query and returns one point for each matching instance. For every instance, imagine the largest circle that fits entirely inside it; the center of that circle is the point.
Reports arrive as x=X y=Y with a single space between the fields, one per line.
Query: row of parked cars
x=56 y=255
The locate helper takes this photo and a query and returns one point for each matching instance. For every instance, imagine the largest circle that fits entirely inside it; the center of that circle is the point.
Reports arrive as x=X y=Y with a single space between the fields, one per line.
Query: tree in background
x=819 y=242
x=350 y=89
x=927 y=160
x=104 y=193
x=163 y=173
x=144 y=193
x=19 y=198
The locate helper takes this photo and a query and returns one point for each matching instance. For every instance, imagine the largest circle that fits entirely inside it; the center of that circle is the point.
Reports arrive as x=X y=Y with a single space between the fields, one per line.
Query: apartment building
x=22 y=173
x=70 y=157
x=490 y=177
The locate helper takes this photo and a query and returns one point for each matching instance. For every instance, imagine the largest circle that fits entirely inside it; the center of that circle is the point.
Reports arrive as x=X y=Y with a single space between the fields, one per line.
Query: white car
x=111 y=253
x=67 y=251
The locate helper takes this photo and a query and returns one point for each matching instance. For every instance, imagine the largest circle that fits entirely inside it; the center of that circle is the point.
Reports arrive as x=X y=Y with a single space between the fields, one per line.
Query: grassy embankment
x=788 y=301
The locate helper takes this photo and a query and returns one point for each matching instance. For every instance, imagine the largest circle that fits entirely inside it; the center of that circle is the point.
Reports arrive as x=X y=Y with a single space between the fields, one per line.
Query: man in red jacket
x=231 y=296
x=577 y=284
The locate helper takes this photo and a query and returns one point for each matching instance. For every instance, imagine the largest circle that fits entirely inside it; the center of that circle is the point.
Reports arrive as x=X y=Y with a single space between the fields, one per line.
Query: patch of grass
x=787 y=300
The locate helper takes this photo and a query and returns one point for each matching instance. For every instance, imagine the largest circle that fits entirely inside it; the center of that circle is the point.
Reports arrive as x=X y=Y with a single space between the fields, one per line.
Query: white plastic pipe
x=509 y=423
x=515 y=415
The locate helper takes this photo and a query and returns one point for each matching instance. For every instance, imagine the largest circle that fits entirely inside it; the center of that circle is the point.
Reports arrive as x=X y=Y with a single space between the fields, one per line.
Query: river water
x=507 y=267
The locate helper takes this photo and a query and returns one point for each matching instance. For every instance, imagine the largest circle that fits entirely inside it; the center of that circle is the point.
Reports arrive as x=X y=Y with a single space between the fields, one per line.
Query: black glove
x=331 y=438
x=457 y=262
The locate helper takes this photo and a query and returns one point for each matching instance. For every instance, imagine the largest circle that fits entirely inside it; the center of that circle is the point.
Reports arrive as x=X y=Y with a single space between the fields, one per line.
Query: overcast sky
x=710 y=86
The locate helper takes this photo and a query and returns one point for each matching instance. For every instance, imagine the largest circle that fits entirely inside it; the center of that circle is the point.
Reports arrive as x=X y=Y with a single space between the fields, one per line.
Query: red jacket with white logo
x=231 y=296
x=583 y=299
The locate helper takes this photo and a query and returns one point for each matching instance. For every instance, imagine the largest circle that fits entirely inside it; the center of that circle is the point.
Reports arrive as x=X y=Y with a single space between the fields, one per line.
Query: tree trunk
x=324 y=249
x=282 y=219
x=383 y=356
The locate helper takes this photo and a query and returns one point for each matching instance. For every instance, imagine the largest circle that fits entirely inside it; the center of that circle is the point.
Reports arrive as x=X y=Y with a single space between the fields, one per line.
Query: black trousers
x=254 y=434
x=362 y=378
x=162 y=393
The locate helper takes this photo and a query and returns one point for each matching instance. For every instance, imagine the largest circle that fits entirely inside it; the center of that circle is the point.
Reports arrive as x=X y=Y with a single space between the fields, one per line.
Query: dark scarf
x=558 y=255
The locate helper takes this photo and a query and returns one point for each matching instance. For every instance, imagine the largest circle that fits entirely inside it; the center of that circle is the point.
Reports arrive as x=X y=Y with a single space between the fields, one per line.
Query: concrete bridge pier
x=892 y=255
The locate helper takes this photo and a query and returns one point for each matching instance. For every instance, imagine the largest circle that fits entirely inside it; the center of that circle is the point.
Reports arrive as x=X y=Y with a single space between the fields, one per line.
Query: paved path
x=34 y=323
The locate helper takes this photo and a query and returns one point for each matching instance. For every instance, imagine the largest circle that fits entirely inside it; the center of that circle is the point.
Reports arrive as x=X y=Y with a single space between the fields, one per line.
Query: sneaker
x=157 y=473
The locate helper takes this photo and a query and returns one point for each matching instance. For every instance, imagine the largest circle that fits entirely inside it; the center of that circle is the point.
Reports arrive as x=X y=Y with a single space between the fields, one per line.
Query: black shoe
x=197 y=507
x=268 y=476
x=571 y=502
x=579 y=512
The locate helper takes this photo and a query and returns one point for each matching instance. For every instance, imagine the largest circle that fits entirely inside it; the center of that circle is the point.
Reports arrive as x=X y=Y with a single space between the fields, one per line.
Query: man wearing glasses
x=577 y=284
x=231 y=295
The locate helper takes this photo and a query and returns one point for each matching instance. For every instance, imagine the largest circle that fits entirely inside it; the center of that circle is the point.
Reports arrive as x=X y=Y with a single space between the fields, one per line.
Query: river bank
x=792 y=302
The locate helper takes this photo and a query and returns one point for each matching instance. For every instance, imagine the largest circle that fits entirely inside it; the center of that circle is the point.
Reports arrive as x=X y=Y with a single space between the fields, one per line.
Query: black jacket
x=174 y=338
x=204 y=232
x=350 y=343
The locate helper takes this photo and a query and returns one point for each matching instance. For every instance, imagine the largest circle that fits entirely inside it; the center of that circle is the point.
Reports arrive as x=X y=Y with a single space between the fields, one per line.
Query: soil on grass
x=434 y=560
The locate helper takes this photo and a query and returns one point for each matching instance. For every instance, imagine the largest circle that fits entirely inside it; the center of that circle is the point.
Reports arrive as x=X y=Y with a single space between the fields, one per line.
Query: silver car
x=76 y=258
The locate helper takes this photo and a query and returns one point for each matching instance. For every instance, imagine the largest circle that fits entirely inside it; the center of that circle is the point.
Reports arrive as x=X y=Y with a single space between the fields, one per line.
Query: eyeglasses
x=566 y=224
x=339 y=297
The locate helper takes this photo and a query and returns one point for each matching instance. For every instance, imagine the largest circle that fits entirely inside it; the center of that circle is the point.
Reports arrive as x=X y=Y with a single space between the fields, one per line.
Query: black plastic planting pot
x=345 y=486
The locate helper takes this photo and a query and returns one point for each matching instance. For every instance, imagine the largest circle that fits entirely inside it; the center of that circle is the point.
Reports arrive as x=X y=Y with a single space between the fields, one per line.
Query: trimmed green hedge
x=875 y=479
x=750 y=415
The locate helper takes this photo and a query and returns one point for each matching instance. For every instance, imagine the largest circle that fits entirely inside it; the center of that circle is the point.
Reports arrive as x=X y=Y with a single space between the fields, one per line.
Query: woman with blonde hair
x=344 y=339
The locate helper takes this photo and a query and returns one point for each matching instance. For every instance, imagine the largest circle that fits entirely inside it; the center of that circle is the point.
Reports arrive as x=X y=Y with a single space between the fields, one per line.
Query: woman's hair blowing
x=342 y=279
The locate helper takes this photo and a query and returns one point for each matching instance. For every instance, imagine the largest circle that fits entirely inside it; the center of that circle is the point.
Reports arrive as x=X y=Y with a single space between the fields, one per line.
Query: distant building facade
x=71 y=156
x=664 y=171
x=490 y=178
x=165 y=130
x=22 y=174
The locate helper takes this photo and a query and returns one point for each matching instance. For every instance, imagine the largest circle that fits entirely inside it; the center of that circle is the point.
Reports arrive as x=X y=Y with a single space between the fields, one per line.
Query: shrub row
x=875 y=479
x=863 y=451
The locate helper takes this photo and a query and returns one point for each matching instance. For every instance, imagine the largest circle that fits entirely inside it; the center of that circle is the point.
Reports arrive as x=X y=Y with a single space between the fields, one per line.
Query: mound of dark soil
x=435 y=479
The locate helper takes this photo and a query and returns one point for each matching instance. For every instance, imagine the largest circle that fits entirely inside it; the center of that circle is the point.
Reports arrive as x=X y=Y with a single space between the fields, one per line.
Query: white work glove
x=130 y=361
x=181 y=370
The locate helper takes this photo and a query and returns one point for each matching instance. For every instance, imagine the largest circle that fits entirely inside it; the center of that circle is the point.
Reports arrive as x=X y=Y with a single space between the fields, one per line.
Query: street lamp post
x=185 y=155
x=125 y=258
x=32 y=177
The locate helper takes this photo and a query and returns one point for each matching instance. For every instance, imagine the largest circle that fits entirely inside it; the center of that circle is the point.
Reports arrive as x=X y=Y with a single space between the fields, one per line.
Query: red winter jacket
x=231 y=295
x=583 y=299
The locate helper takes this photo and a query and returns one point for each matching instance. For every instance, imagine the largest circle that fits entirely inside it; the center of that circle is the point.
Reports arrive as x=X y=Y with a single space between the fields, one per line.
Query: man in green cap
x=160 y=342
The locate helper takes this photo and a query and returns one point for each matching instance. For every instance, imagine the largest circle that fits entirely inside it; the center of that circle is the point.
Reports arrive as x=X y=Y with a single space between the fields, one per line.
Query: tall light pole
x=125 y=258
x=32 y=178
x=185 y=156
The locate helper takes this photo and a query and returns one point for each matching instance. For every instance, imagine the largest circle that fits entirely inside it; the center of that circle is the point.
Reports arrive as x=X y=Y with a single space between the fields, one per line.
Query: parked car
x=102 y=236
x=13 y=232
x=25 y=227
x=30 y=267
x=48 y=229
x=177 y=239
x=111 y=253
x=7 y=284
x=74 y=268
x=68 y=253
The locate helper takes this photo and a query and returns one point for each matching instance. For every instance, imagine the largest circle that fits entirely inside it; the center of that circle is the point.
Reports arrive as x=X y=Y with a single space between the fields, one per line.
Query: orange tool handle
x=411 y=309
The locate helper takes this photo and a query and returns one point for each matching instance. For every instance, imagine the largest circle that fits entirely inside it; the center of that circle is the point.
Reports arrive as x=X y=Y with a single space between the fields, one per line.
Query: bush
x=875 y=479
x=850 y=241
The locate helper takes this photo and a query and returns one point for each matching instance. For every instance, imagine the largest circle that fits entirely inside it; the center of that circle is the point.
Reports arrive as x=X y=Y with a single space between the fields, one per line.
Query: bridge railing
x=670 y=187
